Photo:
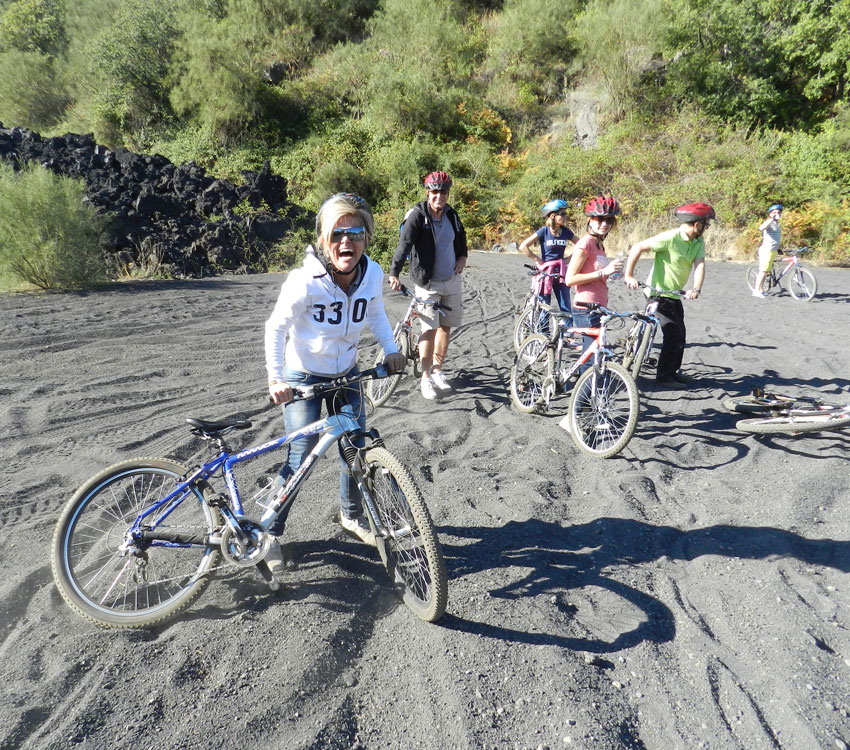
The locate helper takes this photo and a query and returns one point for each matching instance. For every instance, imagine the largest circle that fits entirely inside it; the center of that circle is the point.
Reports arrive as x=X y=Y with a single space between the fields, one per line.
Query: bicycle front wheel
x=796 y=423
x=533 y=364
x=803 y=285
x=603 y=410
x=637 y=346
x=529 y=323
x=115 y=583
x=380 y=390
x=410 y=551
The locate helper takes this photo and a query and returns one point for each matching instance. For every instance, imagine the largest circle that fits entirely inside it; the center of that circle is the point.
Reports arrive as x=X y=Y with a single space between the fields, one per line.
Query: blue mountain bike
x=137 y=543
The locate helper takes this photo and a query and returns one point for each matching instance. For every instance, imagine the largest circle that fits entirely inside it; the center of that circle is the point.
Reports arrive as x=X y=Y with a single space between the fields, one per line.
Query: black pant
x=671 y=314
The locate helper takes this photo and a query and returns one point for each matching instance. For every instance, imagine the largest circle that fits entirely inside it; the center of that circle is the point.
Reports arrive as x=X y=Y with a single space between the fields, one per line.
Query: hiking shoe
x=427 y=388
x=274 y=558
x=680 y=377
x=671 y=383
x=358 y=527
x=564 y=424
x=760 y=295
x=439 y=380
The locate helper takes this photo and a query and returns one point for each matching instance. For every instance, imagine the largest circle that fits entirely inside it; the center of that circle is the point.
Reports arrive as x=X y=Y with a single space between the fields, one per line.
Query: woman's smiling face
x=346 y=249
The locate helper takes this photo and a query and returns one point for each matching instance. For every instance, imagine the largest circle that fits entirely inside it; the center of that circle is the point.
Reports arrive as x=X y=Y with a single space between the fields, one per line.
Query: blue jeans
x=562 y=294
x=586 y=320
x=298 y=414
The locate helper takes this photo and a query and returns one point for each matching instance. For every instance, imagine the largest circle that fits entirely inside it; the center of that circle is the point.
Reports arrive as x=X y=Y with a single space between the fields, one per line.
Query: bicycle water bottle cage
x=211 y=430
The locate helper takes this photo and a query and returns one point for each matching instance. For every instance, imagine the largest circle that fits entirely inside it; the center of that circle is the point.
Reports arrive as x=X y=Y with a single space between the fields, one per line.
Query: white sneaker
x=427 y=388
x=274 y=558
x=359 y=527
x=760 y=295
x=564 y=424
x=439 y=380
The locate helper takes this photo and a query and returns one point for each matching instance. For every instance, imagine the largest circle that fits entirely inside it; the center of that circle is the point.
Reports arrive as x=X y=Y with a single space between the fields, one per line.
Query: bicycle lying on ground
x=136 y=544
x=802 y=283
x=787 y=414
x=603 y=406
x=407 y=342
x=534 y=313
x=641 y=336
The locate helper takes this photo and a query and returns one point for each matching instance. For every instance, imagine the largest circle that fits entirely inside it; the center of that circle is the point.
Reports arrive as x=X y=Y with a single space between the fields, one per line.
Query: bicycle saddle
x=217 y=428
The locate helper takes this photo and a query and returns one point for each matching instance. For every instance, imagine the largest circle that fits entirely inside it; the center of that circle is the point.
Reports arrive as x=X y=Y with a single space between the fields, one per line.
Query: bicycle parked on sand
x=603 y=406
x=792 y=415
x=534 y=313
x=136 y=544
x=801 y=282
x=407 y=342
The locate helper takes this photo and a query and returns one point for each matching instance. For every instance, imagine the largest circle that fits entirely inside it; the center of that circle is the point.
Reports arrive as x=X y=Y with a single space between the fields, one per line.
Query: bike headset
x=553 y=207
x=600 y=207
x=342 y=204
x=774 y=207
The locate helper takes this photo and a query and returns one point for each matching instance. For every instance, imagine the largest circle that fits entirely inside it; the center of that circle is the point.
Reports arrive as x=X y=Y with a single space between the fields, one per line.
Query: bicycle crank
x=244 y=554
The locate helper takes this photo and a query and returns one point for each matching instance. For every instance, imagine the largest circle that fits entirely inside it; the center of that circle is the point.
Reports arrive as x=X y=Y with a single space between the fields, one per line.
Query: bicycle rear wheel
x=803 y=285
x=380 y=390
x=530 y=322
x=532 y=365
x=114 y=584
x=603 y=418
x=752 y=273
x=769 y=402
x=411 y=552
x=798 y=422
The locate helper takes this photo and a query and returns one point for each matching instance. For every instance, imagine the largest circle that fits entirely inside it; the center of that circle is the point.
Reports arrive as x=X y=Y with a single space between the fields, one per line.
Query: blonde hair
x=334 y=208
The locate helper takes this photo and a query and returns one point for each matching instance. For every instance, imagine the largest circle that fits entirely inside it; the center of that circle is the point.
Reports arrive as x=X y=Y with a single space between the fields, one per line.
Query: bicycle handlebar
x=798 y=251
x=653 y=290
x=431 y=303
x=305 y=392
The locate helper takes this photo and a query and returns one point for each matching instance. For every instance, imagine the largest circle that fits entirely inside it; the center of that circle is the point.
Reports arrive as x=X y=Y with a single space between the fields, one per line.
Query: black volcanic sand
x=692 y=592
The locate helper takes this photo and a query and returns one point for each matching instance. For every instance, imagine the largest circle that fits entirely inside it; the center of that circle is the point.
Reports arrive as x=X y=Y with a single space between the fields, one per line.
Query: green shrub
x=33 y=26
x=30 y=94
x=49 y=238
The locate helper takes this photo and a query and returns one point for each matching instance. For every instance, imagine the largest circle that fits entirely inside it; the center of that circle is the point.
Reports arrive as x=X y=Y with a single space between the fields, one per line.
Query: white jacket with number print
x=315 y=326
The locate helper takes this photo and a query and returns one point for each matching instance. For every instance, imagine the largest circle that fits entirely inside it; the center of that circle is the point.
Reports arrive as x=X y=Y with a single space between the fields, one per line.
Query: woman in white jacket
x=313 y=332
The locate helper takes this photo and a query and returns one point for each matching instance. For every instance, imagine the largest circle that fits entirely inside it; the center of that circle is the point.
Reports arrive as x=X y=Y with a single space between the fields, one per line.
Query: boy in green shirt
x=677 y=251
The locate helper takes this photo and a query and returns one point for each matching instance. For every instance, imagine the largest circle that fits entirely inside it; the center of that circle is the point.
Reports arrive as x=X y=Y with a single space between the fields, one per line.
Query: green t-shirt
x=674 y=257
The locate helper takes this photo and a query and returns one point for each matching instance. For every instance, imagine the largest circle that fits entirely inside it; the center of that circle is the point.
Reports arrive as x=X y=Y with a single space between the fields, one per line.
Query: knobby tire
x=533 y=364
x=411 y=554
x=380 y=389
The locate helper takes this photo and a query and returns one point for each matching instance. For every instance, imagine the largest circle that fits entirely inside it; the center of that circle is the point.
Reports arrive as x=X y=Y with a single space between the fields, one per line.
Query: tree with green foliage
x=765 y=63
x=49 y=237
x=33 y=26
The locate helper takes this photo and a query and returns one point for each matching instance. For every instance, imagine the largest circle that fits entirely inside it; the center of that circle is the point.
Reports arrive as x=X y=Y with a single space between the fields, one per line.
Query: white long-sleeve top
x=315 y=326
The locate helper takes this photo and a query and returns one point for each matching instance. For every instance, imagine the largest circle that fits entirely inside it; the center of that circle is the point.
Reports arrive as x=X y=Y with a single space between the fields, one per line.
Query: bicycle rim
x=532 y=366
x=603 y=419
x=411 y=552
x=757 y=404
x=803 y=285
x=794 y=424
x=379 y=390
x=113 y=589
x=529 y=323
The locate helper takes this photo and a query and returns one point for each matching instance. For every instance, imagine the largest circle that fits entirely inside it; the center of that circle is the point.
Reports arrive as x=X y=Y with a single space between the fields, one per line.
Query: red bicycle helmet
x=438 y=181
x=691 y=212
x=602 y=206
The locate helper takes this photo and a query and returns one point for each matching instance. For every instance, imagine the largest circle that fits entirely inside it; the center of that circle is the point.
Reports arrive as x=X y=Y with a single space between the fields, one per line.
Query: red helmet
x=691 y=212
x=438 y=181
x=602 y=206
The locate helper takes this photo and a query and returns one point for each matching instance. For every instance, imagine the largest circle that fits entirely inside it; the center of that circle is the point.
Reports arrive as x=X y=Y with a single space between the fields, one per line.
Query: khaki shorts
x=766 y=258
x=449 y=293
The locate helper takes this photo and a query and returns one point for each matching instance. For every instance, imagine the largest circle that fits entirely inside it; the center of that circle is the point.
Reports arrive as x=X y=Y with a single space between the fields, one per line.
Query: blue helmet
x=553 y=206
x=775 y=207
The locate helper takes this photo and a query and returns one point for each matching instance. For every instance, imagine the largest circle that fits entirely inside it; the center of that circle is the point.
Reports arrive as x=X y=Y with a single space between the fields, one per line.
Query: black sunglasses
x=355 y=234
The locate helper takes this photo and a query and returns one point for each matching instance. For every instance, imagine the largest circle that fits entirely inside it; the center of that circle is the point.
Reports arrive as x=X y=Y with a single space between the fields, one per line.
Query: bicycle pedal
x=650 y=362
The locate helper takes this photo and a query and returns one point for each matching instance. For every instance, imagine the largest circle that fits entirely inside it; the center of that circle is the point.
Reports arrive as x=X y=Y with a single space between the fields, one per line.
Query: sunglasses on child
x=355 y=234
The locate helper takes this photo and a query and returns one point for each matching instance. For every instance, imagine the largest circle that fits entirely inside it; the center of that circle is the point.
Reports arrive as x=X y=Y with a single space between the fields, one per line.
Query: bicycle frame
x=331 y=429
x=790 y=262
